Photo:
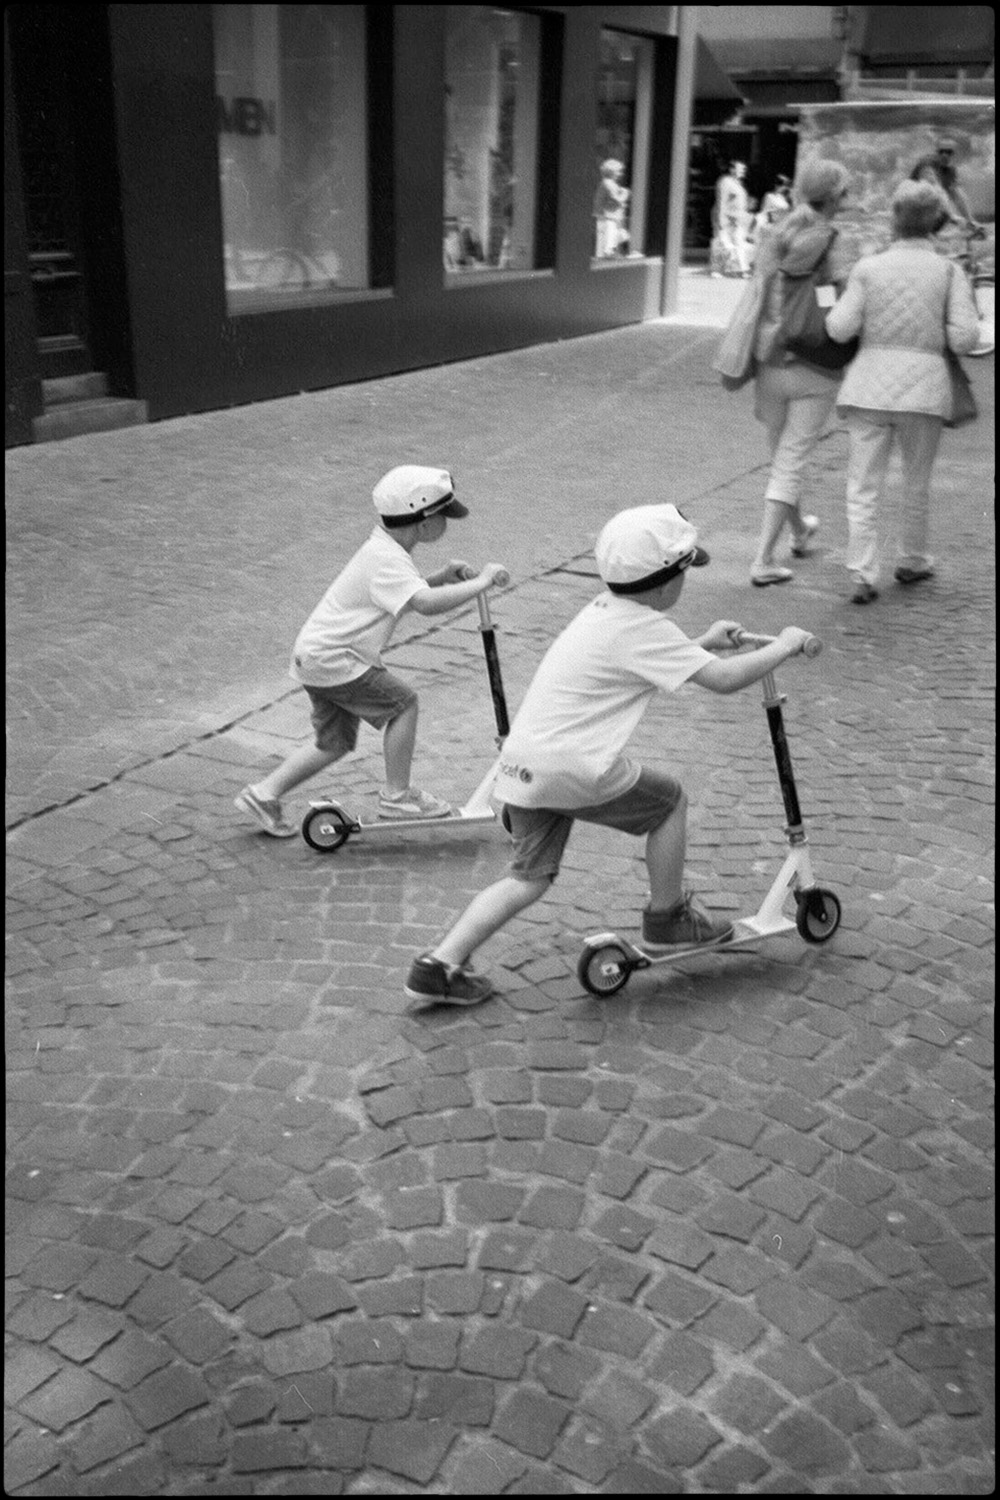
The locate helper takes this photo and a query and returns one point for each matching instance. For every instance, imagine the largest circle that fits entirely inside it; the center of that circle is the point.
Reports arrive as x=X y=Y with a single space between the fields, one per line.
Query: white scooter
x=608 y=961
x=327 y=825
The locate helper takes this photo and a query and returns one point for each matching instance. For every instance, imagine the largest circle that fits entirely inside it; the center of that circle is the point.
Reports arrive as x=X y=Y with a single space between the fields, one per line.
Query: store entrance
x=61 y=75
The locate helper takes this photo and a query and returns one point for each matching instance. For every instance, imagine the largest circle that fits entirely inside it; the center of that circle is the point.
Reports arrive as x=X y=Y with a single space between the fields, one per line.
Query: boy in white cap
x=337 y=656
x=564 y=757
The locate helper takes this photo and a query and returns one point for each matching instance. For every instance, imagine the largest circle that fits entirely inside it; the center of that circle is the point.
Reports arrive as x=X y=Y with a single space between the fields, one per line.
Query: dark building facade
x=217 y=204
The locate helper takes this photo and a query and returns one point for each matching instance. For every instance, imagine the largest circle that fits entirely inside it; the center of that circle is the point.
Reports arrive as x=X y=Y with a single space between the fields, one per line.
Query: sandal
x=767 y=576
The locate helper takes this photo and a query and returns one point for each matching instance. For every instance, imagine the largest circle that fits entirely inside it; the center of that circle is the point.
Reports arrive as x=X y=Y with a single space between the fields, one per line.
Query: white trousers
x=872 y=434
x=794 y=417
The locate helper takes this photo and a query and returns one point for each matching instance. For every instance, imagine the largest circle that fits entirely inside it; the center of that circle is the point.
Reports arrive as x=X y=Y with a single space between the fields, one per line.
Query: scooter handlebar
x=812 y=647
x=500 y=579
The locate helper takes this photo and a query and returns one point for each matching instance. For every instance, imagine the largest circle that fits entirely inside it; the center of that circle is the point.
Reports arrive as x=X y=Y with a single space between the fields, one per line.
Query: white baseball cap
x=642 y=548
x=411 y=493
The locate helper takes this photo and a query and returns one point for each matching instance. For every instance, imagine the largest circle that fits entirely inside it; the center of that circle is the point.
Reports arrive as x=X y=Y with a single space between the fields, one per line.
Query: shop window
x=498 y=149
x=293 y=110
x=625 y=92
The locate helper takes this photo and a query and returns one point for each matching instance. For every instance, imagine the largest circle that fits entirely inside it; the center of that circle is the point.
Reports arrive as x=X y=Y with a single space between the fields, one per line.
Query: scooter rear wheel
x=604 y=971
x=817 y=914
x=325 y=829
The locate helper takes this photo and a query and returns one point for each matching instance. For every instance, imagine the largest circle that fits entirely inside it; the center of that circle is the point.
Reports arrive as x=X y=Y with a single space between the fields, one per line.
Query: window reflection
x=293 y=152
x=491 y=138
x=622 y=152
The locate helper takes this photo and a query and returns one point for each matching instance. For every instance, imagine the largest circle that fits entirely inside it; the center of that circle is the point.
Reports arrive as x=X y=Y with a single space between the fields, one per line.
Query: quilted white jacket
x=903 y=302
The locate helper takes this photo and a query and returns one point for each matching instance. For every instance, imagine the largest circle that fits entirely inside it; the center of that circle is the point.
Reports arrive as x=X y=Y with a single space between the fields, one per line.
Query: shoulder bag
x=803 y=321
x=963 y=402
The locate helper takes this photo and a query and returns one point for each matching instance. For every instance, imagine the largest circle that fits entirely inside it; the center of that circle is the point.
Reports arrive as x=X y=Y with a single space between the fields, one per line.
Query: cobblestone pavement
x=729 y=1231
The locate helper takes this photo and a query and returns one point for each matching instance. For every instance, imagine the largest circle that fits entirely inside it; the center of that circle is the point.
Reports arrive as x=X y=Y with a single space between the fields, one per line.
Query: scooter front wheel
x=604 y=971
x=817 y=914
x=325 y=829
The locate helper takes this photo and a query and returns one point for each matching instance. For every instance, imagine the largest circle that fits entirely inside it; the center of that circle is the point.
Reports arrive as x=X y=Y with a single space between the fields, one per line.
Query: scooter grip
x=813 y=646
x=501 y=580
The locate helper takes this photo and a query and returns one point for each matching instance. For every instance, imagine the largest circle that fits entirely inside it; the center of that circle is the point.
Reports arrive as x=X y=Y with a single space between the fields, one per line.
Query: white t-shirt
x=565 y=747
x=347 y=631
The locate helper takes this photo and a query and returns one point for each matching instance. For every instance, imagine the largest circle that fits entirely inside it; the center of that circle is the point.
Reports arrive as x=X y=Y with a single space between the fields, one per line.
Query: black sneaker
x=684 y=926
x=913 y=575
x=436 y=983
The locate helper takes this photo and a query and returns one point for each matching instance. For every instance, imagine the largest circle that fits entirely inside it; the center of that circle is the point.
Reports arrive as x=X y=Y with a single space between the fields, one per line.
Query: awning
x=710 y=82
x=914 y=34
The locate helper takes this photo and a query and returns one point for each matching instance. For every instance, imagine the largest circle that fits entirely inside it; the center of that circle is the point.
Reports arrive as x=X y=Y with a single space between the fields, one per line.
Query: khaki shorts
x=540 y=833
x=376 y=696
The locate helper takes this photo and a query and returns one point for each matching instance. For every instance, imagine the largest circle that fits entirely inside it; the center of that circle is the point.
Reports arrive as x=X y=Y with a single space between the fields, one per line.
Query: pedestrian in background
x=908 y=305
x=792 y=398
x=776 y=203
x=732 y=211
x=610 y=209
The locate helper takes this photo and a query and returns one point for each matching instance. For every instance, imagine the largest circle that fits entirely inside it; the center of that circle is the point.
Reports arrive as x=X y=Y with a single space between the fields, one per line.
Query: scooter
x=327 y=825
x=608 y=961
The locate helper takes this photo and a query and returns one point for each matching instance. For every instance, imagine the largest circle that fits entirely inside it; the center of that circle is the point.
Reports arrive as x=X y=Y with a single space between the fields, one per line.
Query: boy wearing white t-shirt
x=565 y=758
x=337 y=656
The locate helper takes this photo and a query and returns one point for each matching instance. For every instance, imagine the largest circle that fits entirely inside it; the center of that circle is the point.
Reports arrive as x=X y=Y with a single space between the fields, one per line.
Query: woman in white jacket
x=907 y=303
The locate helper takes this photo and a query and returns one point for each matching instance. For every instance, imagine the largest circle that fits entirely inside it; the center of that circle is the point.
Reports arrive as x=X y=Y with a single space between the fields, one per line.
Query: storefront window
x=621 y=161
x=492 y=69
x=293 y=152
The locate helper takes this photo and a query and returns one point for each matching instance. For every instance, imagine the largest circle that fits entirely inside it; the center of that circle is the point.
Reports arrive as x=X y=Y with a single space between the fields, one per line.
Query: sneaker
x=761 y=577
x=436 y=983
x=800 y=546
x=267 y=811
x=684 y=926
x=863 y=592
x=412 y=804
x=913 y=575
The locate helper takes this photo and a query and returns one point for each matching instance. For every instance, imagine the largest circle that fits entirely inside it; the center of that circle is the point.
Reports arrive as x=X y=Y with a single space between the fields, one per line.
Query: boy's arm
x=440 y=598
x=741 y=671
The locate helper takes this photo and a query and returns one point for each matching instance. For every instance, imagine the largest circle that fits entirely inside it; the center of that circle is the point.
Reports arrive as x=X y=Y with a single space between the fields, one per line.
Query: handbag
x=803 y=321
x=963 y=402
x=734 y=359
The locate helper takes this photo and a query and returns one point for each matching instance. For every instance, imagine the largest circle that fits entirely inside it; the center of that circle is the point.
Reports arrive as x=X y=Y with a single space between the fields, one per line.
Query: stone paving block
x=479 y=1202
x=497 y=1351
x=81 y=1339
x=364 y=1341
x=793 y=1368
x=678 y=1300
x=506 y=1250
x=555 y=1309
x=553 y=1208
x=617 y=1331
x=531 y=1423
x=267 y=1449
x=107 y=1435
x=251 y=1404
x=465 y=1401
x=28 y=1458
x=59 y=1267
x=736 y=1471
x=683 y=1437
x=682 y=1245
x=488 y=1469
x=165 y=1395
x=300 y=1350
x=794 y=1309
x=842 y=1407
x=68 y=1397
x=747 y=1403
x=24 y=1371
x=375 y=1395
x=39 y=1317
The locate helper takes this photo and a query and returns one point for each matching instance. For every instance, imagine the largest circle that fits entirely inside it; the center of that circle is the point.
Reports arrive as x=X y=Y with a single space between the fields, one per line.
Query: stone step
x=75 y=418
x=88 y=387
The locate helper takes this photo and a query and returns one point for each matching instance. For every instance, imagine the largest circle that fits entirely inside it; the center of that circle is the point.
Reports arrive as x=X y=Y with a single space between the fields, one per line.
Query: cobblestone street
x=729 y=1231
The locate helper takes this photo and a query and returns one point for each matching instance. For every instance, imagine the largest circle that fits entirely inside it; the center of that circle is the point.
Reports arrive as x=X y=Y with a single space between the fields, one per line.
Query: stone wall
x=880 y=143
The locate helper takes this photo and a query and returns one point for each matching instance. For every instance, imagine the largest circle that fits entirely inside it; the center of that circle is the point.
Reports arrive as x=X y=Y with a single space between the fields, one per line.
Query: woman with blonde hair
x=793 y=398
x=908 y=305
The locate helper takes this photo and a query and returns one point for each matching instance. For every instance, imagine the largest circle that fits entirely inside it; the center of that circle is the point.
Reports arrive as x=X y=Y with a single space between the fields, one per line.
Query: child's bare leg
x=485 y=915
x=665 y=849
x=398 y=744
x=294 y=769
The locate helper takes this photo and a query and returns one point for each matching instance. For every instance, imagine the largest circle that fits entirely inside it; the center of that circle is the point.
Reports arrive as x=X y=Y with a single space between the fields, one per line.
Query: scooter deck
x=390 y=825
x=745 y=930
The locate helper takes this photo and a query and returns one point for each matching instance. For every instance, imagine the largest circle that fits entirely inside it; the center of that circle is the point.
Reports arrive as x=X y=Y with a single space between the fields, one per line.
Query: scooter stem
x=493 y=669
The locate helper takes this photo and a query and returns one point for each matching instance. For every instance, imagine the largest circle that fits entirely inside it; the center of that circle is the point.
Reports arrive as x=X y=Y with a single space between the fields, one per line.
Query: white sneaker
x=412 y=804
x=267 y=811
x=800 y=546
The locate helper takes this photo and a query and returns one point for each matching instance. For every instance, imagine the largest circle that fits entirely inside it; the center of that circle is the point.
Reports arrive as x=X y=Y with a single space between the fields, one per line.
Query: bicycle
x=982 y=282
